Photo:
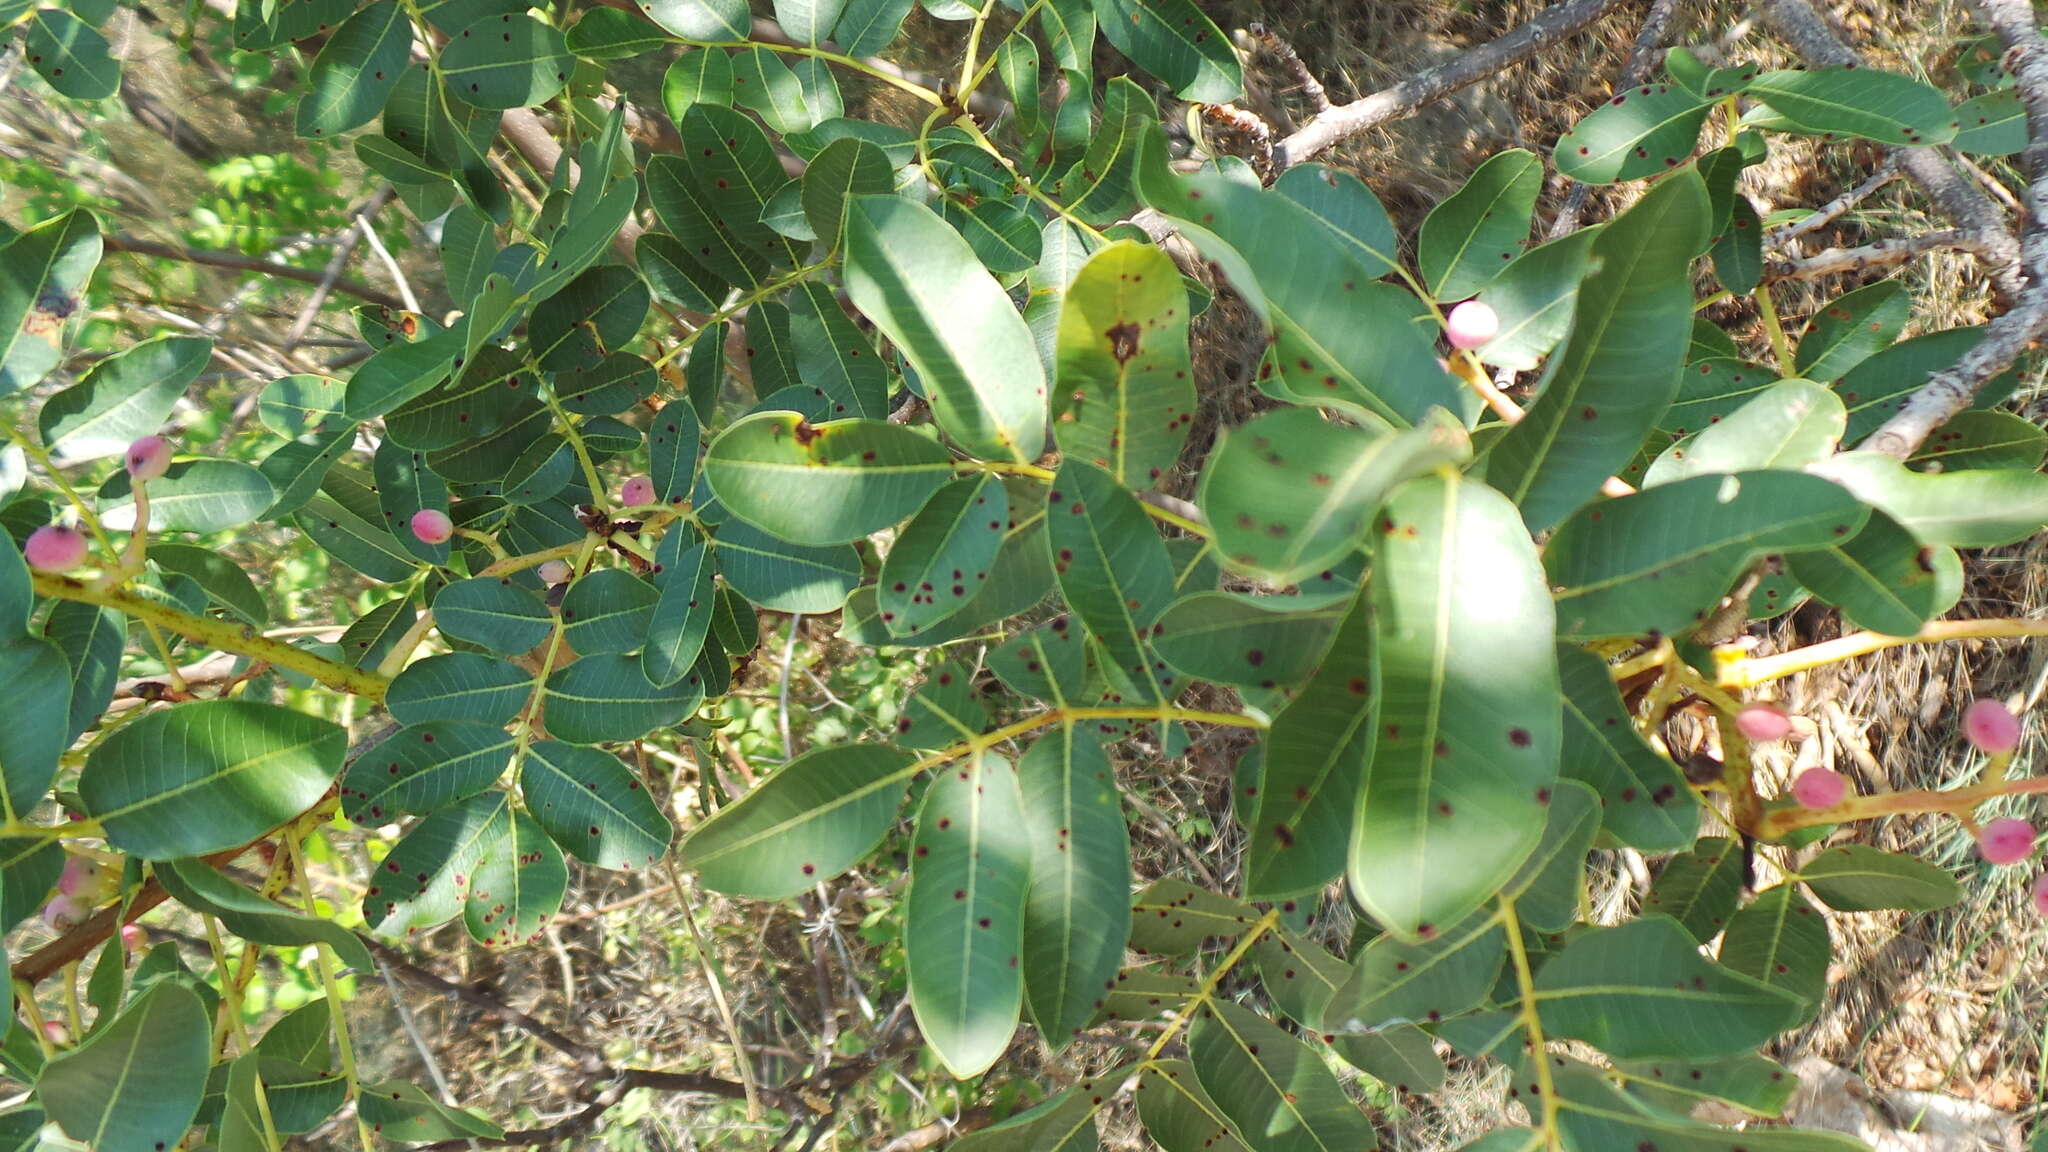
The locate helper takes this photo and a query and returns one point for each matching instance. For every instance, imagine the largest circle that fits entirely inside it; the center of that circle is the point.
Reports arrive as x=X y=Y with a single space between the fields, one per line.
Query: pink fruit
x=1763 y=722
x=2006 y=840
x=134 y=937
x=1820 y=788
x=63 y=912
x=637 y=492
x=555 y=571
x=149 y=457
x=432 y=526
x=55 y=548
x=2041 y=894
x=1472 y=324
x=56 y=1033
x=88 y=882
x=1991 y=726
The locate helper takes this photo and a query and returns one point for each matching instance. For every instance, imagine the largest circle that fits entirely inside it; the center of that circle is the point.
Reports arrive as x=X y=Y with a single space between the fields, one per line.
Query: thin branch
x=1347 y=120
x=1311 y=88
x=1799 y=25
x=331 y=275
x=1833 y=210
x=122 y=242
x=940 y=1131
x=1948 y=392
x=1876 y=254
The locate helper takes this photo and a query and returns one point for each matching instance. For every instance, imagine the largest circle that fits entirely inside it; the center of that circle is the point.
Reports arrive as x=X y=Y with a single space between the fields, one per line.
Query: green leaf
x=425 y=878
x=1098 y=188
x=1877 y=388
x=492 y=388
x=608 y=610
x=1172 y=917
x=1659 y=559
x=242 y=1127
x=1272 y=1085
x=868 y=26
x=923 y=287
x=1750 y=1082
x=1738 y=251
x=606 y=697
x=807 y=822
x=1473 y=233
x=612 y=34
x=1851 y=329
x=1049 y=661
x=823 y=483
x=1467 y=737
x=788 y=98
x=92 y=639
x=71 y=55
x=1710 y=389
x=1787 y=426
x=42 y=294
x=493 y=612
x=1290 y=494
x=1973 y=509
x=404 y=1112
x=1349 y=210
x=1700 y=888
x=1881 y=106
x=1126 y=391
x=1547 y=890
x=1983 y=440
x=848 y=166
x=506 y=61
x=1594 y=1114
x=1248 y=642
x=1781 y=940
x=1342 y=340
x=402 y=371
x=1298 y=826
x=1077 y=910
x=1645 y=801
x=702 y=75
x=683 y=610
x=784 y=577
x=1994 y=124
x=1175 y=41
x=835 y=357
x=458 y=686
x=207 y=775
x=406 y=487
x=945 y=709
x=1535 y=297
x=1393 y=982
x=1300 y=975
x=194 y=496
x=1858 y=878
x=17 y=592
x=1645 y=131
x=701 y=19
x=197 y=886
x=39 y=680
x=517 y=887
x=1883 y=579
x=136 y=1083
x=225 y=582
x=1620 y=366
x=1641 y=991
x=942 y=558
x=1179 y=1115
x=593 y=806
x=1111 y=566
x=599 y=310
x=1403 y=1059
x=963 y=930
x=1065 y=1123
x=421 y=767
x=125 y=396
x=357 y=68
x=673 y=437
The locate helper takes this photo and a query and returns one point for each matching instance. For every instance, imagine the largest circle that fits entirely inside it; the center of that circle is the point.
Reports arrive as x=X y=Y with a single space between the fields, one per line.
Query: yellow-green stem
x=1767 y=311
x=1201 y=997
x=221 y=634
x=1532 y=1025
x=336 y=1013
x=1735 y=670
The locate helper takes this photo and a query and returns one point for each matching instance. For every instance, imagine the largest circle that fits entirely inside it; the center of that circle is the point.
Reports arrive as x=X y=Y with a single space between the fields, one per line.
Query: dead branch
x=1305 y=80
x=1831 y=211
x=1876 y=254
x=122 y=242
x=1952 y=390
x=1798 y=24
x=1347 y=120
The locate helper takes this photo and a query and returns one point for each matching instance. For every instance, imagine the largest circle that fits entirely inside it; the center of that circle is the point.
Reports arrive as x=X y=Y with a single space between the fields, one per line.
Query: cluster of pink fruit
x=1988 y=725
x=61 y=547
x=433 y=526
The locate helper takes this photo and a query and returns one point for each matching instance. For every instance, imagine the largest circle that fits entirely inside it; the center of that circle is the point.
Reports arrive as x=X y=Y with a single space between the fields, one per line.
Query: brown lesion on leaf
x=1123 y=341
